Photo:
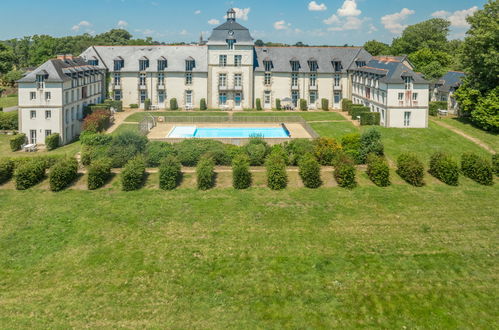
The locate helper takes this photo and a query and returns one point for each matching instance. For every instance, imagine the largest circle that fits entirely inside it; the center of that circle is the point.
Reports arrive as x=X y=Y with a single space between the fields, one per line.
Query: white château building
x=228 y=72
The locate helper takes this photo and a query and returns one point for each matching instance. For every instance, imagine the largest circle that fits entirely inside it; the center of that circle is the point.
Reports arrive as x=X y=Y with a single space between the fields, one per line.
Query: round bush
x=63 y=173
x=370 y=142
x=170 y=173
x=124 y=147
x=190 y=151
x=173 y=104
x=205 y=172
x=258 y=104
x=444 y=168
x=99 y=173
x=241 y=175
x=410 y=168
x=303 y=105
x=325 y=150
x=17 y=142
x=95 y=139
x=29 y=173
x=277 y=178
x=52 y=141
x=310 y=171
x=6 y=170
x=351 y=146
x=344 y=171
x=296 y=149
x=202 y=105
x=133 y=174
x=477 y=169
x=378 y=170
x=156 y=151
x=257 y=150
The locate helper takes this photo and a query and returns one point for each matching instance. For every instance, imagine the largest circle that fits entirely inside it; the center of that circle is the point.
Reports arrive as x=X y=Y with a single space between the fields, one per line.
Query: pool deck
x=161 y=131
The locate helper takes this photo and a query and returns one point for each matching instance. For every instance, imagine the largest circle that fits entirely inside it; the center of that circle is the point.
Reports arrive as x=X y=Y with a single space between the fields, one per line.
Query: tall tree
x=432 y=63
x=6 y=59
x=428 y=34
x=376 y=48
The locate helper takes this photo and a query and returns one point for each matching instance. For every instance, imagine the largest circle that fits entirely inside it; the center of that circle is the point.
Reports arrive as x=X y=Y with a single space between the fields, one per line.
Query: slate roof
x=175 y=55
x=230 y=30
x=282 y=57
x=450 y=80
x=58 y=70
x=391 y=71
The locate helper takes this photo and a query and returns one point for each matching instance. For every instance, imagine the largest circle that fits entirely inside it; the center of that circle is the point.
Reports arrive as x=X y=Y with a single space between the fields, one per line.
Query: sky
x=332 y=22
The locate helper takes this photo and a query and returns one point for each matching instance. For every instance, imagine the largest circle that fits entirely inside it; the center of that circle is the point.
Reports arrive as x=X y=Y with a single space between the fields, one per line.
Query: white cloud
x=197 y=12
x=184 y=32
x=241 y=13
x=372 y=29
x=213 y=21
x=393 y=22
x=80 y=25
x=122 y=24
x=350 y=23
x=349 y=8
x=281 y=25
x=457 y=18
x=314 y=6
x=332 y=20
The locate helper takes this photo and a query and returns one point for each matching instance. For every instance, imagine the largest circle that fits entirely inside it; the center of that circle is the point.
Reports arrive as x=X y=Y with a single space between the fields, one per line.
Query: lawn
x=6 y=102
x=126 y=128
x=299 y=258
x=138 y=116
x=309 y=116
x=335 y=130
x=69 y=149
x=491 y=139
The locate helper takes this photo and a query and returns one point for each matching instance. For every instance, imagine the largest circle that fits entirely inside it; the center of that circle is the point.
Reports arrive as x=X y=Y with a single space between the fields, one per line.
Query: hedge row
x=378 y=170
x=495 y=164
x=444 y=168
x=205 y=173
x=6 y=169
x=52 y=141
x=63 y=173
x=356 y=110
x=9 y=120
x=170 y=173
x=346 y=105
x=99 y=173
x=29 y=173
x=477 y=169
x=133 y=174
x=98 y=121
x=410 y=168
x=370 y=118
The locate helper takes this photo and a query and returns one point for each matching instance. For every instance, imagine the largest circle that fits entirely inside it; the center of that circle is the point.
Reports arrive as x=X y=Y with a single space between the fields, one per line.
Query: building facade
x=445 y=88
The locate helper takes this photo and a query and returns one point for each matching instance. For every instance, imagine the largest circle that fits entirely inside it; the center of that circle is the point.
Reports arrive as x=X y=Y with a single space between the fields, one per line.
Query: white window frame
x=407 y=119
x=222 y=80
x=188 y=78
x=222 y=60
x=238 y=80
x=267 y=79
x=32 y=114
x=238 y=60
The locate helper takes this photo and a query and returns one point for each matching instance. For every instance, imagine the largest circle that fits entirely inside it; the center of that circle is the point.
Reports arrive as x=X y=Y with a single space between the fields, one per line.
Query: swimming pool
x=228 y=132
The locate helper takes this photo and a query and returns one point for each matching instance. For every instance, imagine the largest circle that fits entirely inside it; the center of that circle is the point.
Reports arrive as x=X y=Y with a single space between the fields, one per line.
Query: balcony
x=313 y=87
x=116 y=86
x=161 y=87
x=142 y=87
x=337 y=88
x=225 y=88
x=295 y=87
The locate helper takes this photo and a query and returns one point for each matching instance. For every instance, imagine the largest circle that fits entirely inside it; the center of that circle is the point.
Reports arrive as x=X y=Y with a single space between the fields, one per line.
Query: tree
x=114 y=37
x=486 y=114
x=467 y=98
x=11 y=77
x=428 y=34
x=376 y=48
x=6 y=59
x=432 y=63
x=259 y=43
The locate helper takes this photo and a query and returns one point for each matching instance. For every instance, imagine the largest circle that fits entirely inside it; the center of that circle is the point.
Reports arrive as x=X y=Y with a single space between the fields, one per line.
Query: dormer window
x=312 y=64
x=231 y=41
x=337 y=66
x=119 y=63
x=268 y=65
x=40 y=79
x=360 y=63
x=143 y=64
x=162 y=64
x=295 y=65
x=190 y=64
x=407 y=82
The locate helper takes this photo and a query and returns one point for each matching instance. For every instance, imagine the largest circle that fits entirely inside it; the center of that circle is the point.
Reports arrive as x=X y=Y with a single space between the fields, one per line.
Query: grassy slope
x=296 y=258
x=6 y=102
x=70 y=149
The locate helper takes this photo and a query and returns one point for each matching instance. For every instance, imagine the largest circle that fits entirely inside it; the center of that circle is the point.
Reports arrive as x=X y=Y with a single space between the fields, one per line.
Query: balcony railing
x=230 y=87
x=161 y=86
x=142 y=86
x=337 y=88
x=313 y=87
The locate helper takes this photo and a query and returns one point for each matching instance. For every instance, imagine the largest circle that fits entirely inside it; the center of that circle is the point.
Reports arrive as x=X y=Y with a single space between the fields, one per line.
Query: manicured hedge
x=370 y=118
x=133 y=174
x=346 y=104
x=202 y=105
x=303 y=105
x=258 y=104
x=205 y=173
x=444 y=168
x=410 y=168
x=6 y=169
x=63 y=173
x=257 y=150
x=370 y=142
x=173 y=104
x=17 y=141
x=325 y=150
x=98 y=121
x=351 y=145
x=95 y=139
x=378 y=170
x=357 y=110
x=134 y=106
x=29 y=173
x=241 y=175
x=477 y=169
x=9 y=120
x=325 y=104
x=278 y=104
x=277 y=178
x=495 y=164
x=310 y=171
x=170 y=173
x=156 y=151
x=147 y=104
x=99 y=173
x=344 y=171
x=52 y=141
x=116 y=105
x=435 y=106
x=296 y=149
x=189 y=151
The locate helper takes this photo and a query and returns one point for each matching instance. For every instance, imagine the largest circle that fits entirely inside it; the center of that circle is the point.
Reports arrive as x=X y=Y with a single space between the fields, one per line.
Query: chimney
x=65 y=57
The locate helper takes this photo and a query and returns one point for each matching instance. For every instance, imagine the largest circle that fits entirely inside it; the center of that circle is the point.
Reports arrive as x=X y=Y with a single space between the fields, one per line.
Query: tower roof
x=230 y=30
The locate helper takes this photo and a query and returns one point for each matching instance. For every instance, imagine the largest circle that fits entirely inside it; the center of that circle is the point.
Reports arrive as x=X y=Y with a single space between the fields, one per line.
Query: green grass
x=309 y=116
x=329 y=258
x=335 y=130
x=138 y=116
x=490 y=139
x=69 y=149
x=126 y=128
x=6 y=102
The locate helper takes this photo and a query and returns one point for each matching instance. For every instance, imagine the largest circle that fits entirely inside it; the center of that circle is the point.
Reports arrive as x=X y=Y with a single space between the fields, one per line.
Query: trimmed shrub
x=189 y=151
x=325 y=150
x=296 y=149
x=278 y=104
x=98 y=121
x=435 y=106
x=133 y=174
x=126 y=146
x=47 y=161
x=29 y=173
x=202 y=105
x=134 y=106
x=277 y=178
x=303 y=105
x=147 y=104
x=410 y=168
x=310 y=171
x=17 y=142
x=378 y=170
x=477 y=169
x=173 y=104
x=325 y=104
x=370 y=142
x=351 y=146
x=52 y=141
x=170 y=173
x=99 y=173
x=357 y=110
x=495 y=164
x=95 y=139
x=116 y=105
x=241 y=175
x=257 y=150
x=346 y=105
x=370 y=118
x=63 y=173
x=258 y=104
x=344 y=171
x=6 y=169
x=444 y=168
x=156 y=151
x=9 y=120
x=205 y=173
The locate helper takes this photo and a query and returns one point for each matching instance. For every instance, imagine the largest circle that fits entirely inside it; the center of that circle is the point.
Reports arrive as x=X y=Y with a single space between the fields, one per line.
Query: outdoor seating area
x=32 y=147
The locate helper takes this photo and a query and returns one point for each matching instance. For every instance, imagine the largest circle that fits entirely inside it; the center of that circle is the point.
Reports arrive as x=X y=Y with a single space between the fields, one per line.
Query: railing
x=147 y=124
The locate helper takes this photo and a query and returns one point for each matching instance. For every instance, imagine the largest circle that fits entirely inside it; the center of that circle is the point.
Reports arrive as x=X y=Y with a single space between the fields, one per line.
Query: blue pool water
x=228 y=132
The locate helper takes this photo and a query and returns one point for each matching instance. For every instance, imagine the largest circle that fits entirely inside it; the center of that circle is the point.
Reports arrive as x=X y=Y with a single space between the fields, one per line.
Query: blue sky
x=334 y=22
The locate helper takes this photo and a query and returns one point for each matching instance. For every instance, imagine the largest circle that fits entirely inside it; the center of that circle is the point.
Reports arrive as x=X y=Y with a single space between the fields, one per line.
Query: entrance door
x=32 y=136
x=267 y=100
x=337 y=100
x=295 y=96
x=237 y=100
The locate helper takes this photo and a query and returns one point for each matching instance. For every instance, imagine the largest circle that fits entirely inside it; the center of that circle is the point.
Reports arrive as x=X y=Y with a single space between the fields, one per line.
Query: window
x=161 y=79
x=143 y=97
x=313 y=97
x=188 y=78
x=294 y=97
x=222 y=80
x=408 y=82
x=238 y=80
x=222 y=60
x=230 y=43
x=295 y=66
x=294 y=80
x=360 y=63
x=162 y=64
x=117 y=95
x=32 y=95
x=337 y=97
x=48 y=114
x=407 y=119
x=117 y=79
x=313 y=66
x=94 y=62
x=267 y=79
x=73 y=114
x=237 y=99
x=222 y=99
x=67 y=115
x=32 y=136
x=161 y=97
x=48 y=132
x=238 y=60
x=401 y=96
x=337 y=79
x=267 y=99
x=119 y=64
x=313 y=80
x=142 y=79
x=32 y=114
x=268 y=65
x=72 y=96
x=337 y=66
x=188 y=98
x=40 y=80
x=415 y=96
x=47 y=96
x=190 y=65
